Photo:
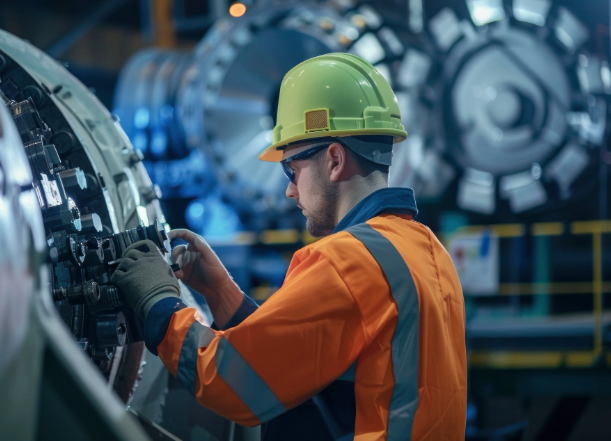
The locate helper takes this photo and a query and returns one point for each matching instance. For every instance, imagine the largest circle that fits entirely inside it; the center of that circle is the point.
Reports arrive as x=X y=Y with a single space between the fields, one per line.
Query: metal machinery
x=508 y=103
x=522 y=106
x=75 y=195
x=50 y=390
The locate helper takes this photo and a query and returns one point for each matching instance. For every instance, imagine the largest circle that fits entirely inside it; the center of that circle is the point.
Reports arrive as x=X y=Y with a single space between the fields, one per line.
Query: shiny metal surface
x=80 y=181
x=21 y=238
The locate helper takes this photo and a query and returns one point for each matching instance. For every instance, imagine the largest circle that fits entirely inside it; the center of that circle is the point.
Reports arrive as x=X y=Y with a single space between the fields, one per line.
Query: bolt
x=93 y=243
x=59 y=294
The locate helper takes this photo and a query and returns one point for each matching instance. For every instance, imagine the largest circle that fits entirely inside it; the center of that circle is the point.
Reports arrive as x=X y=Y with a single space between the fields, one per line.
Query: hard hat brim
x=274 y=152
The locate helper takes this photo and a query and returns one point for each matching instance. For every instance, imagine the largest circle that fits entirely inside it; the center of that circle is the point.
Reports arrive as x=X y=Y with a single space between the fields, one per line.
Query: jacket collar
x=386 y=200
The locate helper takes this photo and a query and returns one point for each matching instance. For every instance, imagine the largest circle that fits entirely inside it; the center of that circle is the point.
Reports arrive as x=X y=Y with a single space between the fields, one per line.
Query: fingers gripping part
x=144 y=277
x=144 y=248
x=126 y=263
x=140 y=247
x=177 y=254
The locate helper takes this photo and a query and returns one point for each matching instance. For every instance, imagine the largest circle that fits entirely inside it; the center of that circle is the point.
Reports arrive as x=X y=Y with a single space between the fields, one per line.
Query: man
x=365 y=339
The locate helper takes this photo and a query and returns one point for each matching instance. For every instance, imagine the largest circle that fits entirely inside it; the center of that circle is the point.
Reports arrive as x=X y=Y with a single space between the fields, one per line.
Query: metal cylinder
x=74 y=177
x=91 y=223
x=110 y=298
x=155 y=232
x=111 y=330
x=84 y=293
x=63 y=217
x=65 y=248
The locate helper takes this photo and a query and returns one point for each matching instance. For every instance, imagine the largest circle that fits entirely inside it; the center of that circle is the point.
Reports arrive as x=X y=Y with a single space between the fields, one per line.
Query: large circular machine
x=509 y=104
x=46 y=381
x=83 y=195
x=222 y=97
x=505 y=112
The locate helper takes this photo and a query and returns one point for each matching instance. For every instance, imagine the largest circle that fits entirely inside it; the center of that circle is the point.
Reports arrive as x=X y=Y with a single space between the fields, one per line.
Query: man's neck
x=355 y=191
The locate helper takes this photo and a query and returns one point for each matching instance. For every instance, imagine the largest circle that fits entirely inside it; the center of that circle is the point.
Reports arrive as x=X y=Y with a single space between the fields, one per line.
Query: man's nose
x=291 y=191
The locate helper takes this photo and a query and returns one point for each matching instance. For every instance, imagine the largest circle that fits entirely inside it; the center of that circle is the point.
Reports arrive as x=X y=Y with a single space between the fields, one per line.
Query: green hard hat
x=333 y=95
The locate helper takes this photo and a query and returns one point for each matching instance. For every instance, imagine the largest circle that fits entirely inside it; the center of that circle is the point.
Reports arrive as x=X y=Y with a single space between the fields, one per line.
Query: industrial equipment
x=50 y=390
x=505 y=112
x=510 y=104
x=95 y=197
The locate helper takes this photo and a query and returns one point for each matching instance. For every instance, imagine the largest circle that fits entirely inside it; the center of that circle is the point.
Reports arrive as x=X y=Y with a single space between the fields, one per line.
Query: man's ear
x=336 y=161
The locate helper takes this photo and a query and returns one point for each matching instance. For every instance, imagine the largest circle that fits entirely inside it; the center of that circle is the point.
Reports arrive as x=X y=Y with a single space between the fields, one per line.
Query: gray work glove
x=144 y=277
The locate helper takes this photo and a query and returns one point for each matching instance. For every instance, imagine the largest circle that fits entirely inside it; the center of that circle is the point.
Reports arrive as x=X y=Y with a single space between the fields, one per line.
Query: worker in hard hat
x=365 y=340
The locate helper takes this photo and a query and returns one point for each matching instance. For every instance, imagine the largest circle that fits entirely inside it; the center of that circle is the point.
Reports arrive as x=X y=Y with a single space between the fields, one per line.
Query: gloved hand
x=144 y=277
x=202 y=270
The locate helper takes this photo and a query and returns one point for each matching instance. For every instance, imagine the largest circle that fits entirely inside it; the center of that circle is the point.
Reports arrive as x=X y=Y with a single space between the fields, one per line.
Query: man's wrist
x=224 y=302
x=246 y=308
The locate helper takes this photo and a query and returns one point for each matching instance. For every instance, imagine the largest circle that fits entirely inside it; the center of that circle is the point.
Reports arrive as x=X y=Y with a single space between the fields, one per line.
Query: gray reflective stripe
x=232 y=368
x=405 y=339
x=246 y=383
x=198 y=336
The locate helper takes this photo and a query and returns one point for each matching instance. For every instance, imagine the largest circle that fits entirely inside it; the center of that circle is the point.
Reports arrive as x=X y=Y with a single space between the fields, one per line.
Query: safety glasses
x=288 y=171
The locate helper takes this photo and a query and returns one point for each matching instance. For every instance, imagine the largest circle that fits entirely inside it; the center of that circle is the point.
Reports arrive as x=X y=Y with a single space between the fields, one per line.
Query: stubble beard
x=322 y=216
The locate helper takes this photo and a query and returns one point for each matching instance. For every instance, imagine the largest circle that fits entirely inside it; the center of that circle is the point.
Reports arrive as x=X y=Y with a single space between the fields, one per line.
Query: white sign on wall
x=476 y=258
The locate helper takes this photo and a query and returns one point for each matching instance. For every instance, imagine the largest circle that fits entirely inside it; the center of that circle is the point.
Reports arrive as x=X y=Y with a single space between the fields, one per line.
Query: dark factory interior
x=125 y=121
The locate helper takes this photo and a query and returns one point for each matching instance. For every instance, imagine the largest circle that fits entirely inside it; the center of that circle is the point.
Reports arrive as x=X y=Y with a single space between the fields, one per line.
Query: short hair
x=369 y=167
x=366 y=166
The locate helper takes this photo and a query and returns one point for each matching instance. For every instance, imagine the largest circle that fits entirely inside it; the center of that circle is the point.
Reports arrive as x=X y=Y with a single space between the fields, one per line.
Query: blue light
x=140 y=142
x=141 y=118
x=212 y=218
x=176 y=174
x=165 y=113
x=159 y=143
x=196 y=210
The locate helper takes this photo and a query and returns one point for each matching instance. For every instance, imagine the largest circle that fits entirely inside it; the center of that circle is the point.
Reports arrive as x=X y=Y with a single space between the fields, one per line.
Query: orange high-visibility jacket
x=382 y=296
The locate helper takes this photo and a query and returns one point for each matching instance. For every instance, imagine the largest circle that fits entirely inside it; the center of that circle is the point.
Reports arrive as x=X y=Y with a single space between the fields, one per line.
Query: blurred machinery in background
x=216 y=105
x=507 y=104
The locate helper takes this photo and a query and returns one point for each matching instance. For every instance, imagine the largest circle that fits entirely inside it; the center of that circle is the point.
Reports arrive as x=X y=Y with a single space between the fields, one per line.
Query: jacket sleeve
x=302 y=338
x=247 y=307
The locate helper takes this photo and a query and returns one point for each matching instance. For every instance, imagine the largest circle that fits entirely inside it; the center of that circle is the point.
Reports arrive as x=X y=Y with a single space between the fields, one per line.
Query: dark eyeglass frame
x=288 y=171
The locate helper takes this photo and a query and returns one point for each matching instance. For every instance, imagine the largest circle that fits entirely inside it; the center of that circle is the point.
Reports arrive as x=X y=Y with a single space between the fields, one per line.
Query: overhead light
x=237 y=9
